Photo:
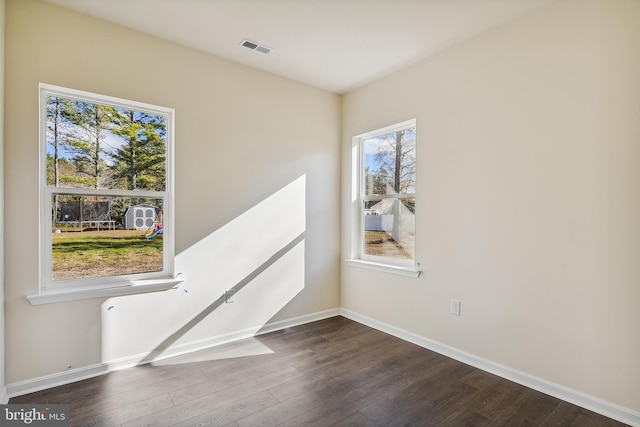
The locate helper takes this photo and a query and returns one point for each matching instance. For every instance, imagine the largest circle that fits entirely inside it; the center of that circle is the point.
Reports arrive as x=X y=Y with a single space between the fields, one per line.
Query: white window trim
x=386 y=268
x=110 y=290
x=68 y=290
x=410 y=268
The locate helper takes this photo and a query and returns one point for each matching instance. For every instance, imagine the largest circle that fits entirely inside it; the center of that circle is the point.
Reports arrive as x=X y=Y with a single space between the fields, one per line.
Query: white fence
x=378 y=222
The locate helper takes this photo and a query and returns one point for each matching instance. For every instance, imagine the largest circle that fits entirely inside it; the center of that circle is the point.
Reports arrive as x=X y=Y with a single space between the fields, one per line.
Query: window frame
x=50 y=290
x=359 y=256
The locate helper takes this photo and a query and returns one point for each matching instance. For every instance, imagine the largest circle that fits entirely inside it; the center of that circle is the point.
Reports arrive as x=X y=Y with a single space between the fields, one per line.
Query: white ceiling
x=337 y=45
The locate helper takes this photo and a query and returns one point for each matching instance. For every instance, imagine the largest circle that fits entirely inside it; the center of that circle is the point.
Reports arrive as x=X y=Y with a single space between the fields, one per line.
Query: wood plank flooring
x=334 y=372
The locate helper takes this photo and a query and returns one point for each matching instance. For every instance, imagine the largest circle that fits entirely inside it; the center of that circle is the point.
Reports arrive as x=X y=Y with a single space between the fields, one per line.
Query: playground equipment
x=153 y=231
x=156 y=227
x=84 y=211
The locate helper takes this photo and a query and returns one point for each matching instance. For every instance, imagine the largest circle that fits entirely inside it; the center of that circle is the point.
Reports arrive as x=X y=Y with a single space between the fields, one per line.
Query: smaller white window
x=386 y=197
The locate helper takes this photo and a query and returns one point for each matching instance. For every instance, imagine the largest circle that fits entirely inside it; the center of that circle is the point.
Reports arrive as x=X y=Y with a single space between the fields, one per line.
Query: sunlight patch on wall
x=260 y=255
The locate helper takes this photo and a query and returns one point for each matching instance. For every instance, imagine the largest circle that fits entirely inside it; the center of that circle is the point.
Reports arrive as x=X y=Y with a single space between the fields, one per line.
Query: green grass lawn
x=104 y=253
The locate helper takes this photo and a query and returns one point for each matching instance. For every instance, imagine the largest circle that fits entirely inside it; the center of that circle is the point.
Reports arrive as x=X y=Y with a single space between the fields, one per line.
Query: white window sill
x=112 y=290
x=387 y=268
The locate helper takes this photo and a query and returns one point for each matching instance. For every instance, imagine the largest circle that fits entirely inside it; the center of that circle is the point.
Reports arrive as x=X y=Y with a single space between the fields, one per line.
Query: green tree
x=57 y=136
x=86 y=140
x=56 y=107
x=141 y=160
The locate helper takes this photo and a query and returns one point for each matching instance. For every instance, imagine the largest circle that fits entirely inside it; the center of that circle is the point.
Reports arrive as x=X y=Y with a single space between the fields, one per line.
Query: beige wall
x=2 y=322
x=528 y=203
x=254 y=153
x=528 y=198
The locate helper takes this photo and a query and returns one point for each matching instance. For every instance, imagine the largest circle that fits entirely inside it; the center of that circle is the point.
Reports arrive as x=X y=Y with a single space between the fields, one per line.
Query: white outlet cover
x=455 y=307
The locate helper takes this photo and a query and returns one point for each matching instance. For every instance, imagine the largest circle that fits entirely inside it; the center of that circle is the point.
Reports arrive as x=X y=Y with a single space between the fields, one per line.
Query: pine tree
x=140 y=161
x=90 y=124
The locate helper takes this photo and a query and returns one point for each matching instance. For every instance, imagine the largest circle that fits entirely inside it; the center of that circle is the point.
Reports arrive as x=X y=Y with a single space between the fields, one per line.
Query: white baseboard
x=77 y=374
x=586 y=401
x=4 y=396
x=575 y=397
x=296 y=321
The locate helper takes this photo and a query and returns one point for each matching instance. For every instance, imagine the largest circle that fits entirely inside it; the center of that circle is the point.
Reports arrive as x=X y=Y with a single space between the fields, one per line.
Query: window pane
x=101 y=146
x=390 y=163
x=96 y=236
x=389 y=227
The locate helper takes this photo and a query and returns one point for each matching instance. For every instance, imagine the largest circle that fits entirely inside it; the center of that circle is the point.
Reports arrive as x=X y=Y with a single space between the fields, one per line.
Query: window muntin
x=103 y=160
x=387 y=173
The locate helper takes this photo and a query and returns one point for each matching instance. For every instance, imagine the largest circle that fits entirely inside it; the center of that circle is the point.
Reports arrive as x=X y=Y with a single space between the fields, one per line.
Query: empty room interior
x=376 y=193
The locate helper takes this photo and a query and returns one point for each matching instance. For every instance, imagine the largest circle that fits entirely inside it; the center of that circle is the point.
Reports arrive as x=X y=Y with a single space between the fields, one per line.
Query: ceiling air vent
x=255 y=46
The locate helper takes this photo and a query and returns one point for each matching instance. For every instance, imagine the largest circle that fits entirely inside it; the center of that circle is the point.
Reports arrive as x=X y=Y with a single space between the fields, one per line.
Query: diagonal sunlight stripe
x=218 y=302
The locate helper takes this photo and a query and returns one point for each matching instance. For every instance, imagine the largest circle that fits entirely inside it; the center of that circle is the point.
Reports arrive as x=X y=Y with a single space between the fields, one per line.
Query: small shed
x=140 y=217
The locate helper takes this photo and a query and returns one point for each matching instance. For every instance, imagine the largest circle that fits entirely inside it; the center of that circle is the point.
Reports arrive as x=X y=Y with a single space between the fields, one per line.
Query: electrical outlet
x=455 y=307
x=230 y=296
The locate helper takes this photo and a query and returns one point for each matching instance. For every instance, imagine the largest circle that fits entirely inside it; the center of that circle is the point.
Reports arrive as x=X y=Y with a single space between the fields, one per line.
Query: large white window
x=386 y=201
x=106 y=196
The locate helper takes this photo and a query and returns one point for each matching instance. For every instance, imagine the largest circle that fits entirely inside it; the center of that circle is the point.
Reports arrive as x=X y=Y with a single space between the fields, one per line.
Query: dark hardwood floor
x=334 y=372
